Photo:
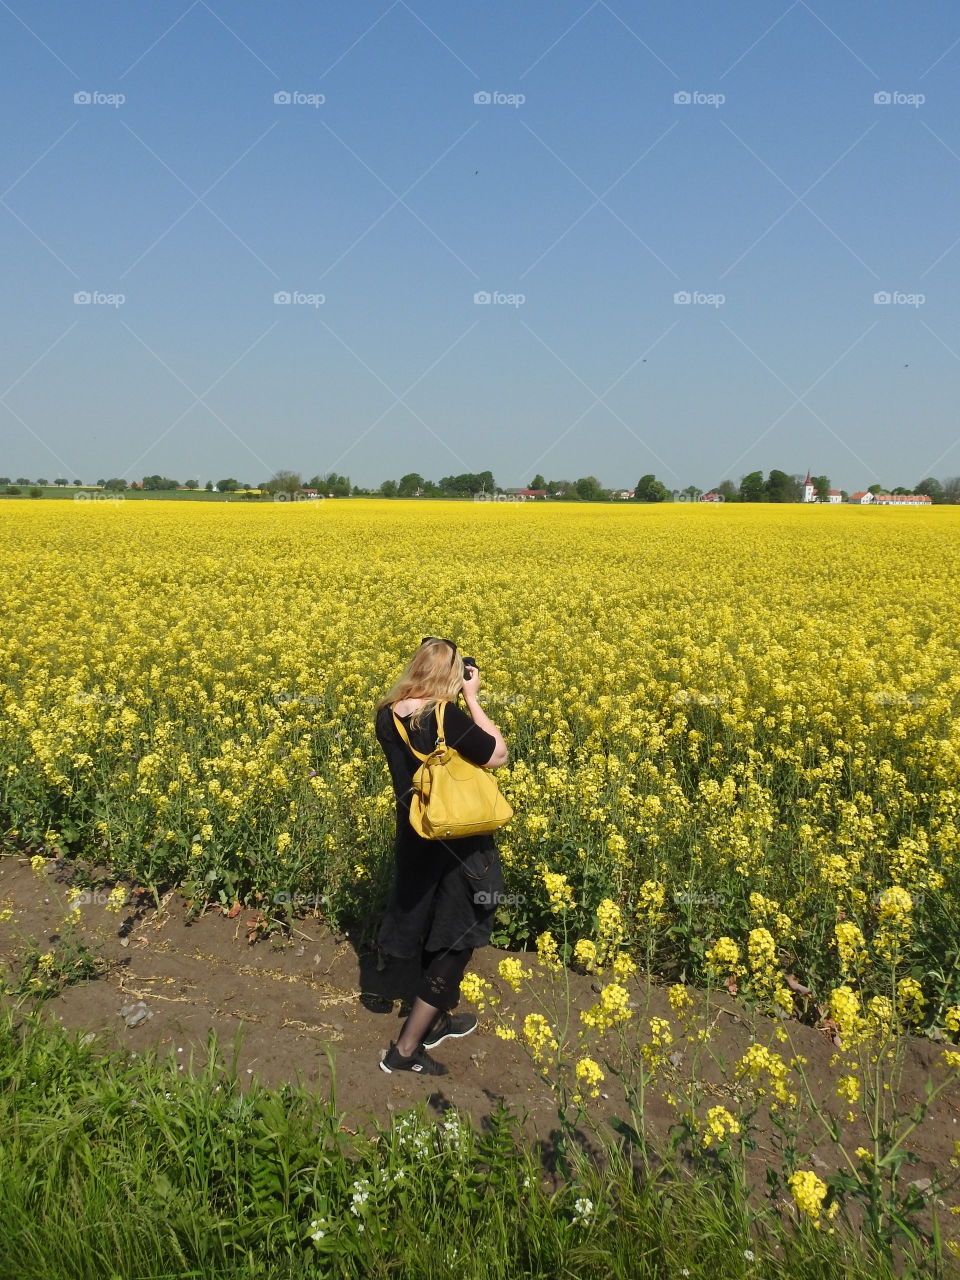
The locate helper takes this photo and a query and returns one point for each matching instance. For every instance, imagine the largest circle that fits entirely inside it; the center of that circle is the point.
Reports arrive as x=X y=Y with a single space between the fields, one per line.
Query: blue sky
x=782 y=198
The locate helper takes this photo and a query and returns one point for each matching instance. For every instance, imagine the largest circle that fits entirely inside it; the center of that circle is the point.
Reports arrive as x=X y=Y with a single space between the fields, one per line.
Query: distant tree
x=5 y=480
x=727 y=490
x=844 y=495
x=60 y=483
x=821 y=487
x=23 y=480
x=901 y=490
x=875 y=489
x=692 y=492
x=780 y=487
x=43 y=483
x=589 y=489
x=561 y=489
x=932 y=488
x=650 y=489
x=410 y=485
x=227 y=486
x=330 y=485
x=116 y=484
x=752 y=487
x=537 y=482
x=209 y=486
x=192 y=484
x=469 y=483
x=35 y=491
x=388 y=489
x=101 y=483
x=12 y=490
x=78 y=482
x=156 y=482
x=951 y=489
x=287 y=482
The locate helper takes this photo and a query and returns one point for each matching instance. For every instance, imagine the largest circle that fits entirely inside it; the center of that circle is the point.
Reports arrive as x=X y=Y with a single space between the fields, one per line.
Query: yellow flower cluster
x=612 y=1008
x=558 y=890
x=513 y=972
x=538 y=1035
x=719 y=1124
x=589 y=1076
x=759 y=1062
x=809 y=1192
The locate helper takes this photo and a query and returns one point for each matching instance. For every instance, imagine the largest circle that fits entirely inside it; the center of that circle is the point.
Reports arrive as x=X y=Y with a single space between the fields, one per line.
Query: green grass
x=117 y=1166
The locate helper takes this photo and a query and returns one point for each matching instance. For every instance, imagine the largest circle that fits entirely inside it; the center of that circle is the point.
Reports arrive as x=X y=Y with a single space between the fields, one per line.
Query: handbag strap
x=441 y=741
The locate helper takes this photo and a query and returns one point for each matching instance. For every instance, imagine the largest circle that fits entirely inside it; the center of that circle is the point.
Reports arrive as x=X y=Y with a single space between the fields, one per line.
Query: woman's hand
x=471 y=682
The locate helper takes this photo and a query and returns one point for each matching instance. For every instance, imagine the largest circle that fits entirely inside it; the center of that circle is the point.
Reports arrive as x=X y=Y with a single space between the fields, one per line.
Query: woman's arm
x=480 y=718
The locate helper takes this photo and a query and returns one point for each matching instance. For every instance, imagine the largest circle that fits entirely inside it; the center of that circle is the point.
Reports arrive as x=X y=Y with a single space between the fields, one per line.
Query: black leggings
x=442 y=971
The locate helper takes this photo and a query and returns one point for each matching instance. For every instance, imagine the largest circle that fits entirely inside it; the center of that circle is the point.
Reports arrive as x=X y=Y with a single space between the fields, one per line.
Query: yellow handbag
x=452 y=796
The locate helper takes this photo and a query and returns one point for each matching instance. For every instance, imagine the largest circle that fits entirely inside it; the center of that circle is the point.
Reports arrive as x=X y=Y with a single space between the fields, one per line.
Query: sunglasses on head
x=443 y=641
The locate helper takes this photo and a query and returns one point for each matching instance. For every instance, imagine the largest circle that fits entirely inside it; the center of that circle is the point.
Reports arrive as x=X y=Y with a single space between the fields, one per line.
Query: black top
x=445 y=892
x=474 y=743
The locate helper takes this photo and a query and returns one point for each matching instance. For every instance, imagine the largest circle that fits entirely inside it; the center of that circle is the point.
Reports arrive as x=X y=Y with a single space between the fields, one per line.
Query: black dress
x=445 y=892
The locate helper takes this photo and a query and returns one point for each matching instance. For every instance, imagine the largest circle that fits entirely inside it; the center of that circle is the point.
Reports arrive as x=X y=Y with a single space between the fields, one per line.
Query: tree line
x=778 y=486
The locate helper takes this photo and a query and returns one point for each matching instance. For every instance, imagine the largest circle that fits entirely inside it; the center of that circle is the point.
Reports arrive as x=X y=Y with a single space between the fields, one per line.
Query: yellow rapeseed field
x=738 y=724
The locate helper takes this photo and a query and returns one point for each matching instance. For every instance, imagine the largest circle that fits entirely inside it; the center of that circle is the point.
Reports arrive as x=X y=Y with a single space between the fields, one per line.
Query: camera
x=470 y=662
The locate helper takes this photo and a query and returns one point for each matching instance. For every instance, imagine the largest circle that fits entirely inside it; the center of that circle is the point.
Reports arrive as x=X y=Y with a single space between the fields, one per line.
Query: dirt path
x=287 y=1005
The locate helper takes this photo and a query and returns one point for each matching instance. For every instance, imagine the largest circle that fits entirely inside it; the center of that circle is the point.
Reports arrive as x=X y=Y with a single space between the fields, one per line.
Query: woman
x=445 y=892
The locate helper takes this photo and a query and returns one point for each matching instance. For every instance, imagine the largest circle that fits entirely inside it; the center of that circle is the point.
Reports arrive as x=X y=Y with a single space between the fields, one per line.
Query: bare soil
x=289 y=1006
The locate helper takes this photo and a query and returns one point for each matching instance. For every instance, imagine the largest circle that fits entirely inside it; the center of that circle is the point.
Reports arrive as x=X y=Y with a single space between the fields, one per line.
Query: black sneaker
x=419 y=1061
x=450 y=1026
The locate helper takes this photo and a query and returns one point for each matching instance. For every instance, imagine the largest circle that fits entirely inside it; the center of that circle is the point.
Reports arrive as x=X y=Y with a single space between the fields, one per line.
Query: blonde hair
x=432 y=673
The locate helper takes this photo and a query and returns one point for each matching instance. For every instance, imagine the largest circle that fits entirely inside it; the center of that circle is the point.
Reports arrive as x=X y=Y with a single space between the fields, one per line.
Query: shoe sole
x=418 y=1071
x=451 y=1035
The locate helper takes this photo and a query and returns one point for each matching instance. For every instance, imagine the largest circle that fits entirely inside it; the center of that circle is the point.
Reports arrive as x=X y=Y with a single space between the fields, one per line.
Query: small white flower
x=748 y=1254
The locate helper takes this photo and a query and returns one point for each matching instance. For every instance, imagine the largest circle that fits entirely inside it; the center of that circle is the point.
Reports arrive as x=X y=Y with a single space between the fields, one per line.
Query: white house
x=810 y=493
